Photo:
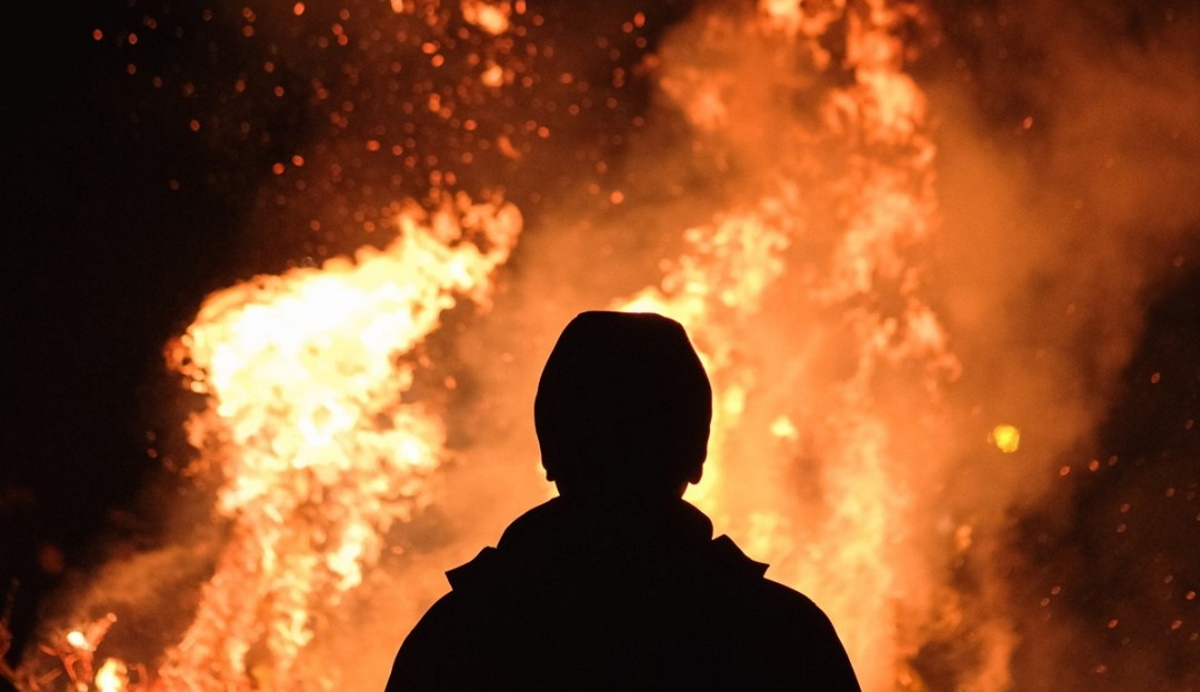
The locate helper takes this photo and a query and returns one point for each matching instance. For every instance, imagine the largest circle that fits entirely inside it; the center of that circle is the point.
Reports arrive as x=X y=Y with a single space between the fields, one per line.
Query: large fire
x=805 y=292
x=307 y=419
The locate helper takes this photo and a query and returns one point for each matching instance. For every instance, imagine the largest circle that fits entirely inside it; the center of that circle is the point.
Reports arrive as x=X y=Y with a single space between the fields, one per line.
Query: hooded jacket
x=581 y=596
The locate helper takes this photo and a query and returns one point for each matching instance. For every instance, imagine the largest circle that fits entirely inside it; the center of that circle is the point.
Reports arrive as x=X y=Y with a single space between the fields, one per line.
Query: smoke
x=1066 y=178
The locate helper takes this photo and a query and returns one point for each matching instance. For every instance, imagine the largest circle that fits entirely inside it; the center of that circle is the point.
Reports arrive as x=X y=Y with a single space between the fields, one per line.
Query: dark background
x=105 y=259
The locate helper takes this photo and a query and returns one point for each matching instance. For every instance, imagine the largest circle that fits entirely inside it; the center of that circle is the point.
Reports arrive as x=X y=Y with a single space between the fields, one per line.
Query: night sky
x=120 y=219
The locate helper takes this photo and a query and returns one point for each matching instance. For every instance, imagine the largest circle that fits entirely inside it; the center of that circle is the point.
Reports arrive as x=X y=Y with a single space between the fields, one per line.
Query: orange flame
x=845 y=547
x=308 y=422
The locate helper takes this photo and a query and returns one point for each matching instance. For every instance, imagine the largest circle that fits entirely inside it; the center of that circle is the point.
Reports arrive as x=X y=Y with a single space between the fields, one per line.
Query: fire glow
x=318 y=456
x=805 y=293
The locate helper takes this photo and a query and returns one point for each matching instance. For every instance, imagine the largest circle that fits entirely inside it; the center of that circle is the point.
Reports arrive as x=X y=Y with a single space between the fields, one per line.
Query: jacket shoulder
x=433 y=647
x=801 y=638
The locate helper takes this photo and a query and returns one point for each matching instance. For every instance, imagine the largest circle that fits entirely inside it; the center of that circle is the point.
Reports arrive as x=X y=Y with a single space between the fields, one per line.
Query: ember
x=1006 y=438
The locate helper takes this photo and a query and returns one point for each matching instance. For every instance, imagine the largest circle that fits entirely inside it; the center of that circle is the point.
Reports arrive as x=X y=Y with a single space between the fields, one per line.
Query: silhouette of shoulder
x=574 y=599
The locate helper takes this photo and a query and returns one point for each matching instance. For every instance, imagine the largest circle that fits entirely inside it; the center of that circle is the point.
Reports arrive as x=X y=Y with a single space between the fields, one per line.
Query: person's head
x=623 y=407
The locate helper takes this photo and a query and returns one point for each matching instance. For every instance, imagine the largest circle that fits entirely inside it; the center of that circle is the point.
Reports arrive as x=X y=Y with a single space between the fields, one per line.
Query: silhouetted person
x=617 y=584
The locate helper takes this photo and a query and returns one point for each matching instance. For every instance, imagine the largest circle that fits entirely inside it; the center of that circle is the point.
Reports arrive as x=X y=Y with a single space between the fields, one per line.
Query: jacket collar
x=569 y=537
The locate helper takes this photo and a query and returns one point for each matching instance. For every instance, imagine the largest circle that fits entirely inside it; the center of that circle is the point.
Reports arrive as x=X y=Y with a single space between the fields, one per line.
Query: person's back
x=618 y=583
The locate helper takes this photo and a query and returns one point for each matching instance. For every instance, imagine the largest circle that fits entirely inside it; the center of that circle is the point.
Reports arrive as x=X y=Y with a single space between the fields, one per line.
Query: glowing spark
x=783 y=428
x=492 y=18
x=1007 y=438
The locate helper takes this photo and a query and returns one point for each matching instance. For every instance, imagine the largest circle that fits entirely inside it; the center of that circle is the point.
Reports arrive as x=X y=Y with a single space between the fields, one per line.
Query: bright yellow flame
x=113 y=676
x=1007 y=438
x=76 y=639
x=308 y=423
